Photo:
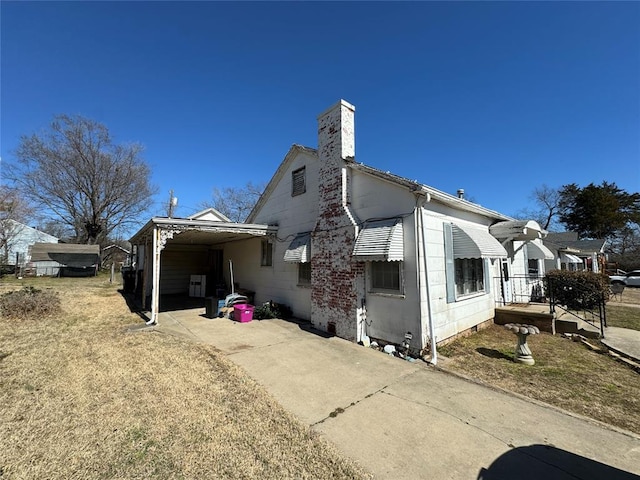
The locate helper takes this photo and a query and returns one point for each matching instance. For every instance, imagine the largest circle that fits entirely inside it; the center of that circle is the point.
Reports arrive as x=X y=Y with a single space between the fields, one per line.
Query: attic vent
x=298 y=183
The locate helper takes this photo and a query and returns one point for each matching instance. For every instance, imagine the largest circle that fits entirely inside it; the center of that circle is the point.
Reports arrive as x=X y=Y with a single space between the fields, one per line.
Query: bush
x=580 y=290
x=272 y=310
x=29 y=303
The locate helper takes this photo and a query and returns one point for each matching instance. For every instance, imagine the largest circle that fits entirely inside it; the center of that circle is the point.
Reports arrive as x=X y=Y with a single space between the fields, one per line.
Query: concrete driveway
x=409 y=420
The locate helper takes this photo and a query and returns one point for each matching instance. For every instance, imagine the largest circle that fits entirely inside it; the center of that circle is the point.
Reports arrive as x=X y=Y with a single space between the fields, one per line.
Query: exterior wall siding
x=293 y=215
x=451 y=318
x=178 y=264
x=388 y=316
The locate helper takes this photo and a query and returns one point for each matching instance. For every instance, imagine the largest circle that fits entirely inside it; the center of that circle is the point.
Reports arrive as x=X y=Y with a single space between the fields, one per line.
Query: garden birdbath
x=523 y=352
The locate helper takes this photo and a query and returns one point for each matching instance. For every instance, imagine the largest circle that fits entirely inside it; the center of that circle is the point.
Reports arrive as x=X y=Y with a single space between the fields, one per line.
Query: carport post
x=155 y=288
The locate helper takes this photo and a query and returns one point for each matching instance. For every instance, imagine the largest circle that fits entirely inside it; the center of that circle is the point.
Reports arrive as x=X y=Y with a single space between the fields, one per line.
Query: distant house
x=573 y=254
x=114 y=254
x=210 y=214
x=16 y=238
x=63 y=259
x=357 y=251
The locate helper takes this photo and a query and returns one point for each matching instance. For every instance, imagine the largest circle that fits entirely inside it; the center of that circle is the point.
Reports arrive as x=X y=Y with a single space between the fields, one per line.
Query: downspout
x=361 y=304
x=422 y=244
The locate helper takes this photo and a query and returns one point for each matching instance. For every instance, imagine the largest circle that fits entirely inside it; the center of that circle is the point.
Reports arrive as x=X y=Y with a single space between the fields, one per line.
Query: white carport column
x=160 y=237
x=155 y=286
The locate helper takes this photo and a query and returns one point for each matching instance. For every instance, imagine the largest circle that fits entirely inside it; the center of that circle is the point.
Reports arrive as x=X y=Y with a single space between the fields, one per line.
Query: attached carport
x=167 y=251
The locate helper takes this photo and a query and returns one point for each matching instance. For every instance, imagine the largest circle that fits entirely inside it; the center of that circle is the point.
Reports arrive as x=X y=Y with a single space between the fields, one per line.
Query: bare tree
x=546 y=200
x=82 y=177
x=235 y=203
x=14 y=213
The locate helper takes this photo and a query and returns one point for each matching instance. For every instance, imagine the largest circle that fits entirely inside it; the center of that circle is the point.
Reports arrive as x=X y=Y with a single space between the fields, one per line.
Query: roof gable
x=21 y=230
x=209 y=214
x=291 y=155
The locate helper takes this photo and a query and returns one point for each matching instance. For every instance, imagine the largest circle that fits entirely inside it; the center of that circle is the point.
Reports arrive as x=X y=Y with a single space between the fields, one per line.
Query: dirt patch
x=83 y=397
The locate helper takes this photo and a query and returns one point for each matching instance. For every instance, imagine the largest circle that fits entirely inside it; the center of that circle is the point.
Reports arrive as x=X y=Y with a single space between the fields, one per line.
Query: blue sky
x=493 y=97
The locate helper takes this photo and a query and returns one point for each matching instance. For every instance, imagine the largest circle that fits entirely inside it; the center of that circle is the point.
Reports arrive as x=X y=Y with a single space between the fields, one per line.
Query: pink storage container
x=243 y=312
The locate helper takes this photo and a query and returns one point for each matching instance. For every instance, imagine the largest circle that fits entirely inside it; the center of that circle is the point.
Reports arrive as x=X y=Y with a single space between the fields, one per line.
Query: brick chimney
x=337 y=281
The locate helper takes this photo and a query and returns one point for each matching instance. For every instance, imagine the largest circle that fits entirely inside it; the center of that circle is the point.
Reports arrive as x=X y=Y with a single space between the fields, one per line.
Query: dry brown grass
x=566 y=374
x=624 y=311
x=82 y=398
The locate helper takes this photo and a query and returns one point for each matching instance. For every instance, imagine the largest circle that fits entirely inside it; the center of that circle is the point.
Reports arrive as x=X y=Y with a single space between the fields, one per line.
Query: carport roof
x=202 y=232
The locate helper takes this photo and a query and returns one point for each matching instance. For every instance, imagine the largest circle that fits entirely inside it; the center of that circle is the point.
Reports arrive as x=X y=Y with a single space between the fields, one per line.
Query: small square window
x=266 y=259
x=304 y=273
x=385 y=276
x=298 y=182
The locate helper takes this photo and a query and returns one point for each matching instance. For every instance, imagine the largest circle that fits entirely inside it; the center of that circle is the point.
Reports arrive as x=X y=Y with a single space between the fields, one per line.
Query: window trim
x=386 y=291
x=482 y=277
x=302 y=281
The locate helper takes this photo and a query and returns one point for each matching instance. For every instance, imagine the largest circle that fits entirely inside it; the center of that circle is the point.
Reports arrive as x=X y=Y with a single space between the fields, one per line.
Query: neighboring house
x=114 y=254
x=573 y=254
x=210 y=214
x=357 y=251
x=63 y=259
x=17 y=238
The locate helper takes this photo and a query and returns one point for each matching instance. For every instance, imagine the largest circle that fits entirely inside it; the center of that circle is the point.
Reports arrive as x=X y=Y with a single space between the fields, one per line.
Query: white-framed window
x=266 y=258
x=466 y=277
x=469 y=276
x=304 y=273
x=298 y=182
x=386 y=277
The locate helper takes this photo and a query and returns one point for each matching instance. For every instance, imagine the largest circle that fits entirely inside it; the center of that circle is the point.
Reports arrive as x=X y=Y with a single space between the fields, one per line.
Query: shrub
x=29 y=303
x=272 y=310
x=579 y=290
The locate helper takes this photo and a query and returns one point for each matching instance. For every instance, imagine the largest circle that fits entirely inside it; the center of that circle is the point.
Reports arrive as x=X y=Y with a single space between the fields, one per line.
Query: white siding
x=293 y=215
x=451 y=318
x=389 y=316
x=21 y=237
x=178 y=263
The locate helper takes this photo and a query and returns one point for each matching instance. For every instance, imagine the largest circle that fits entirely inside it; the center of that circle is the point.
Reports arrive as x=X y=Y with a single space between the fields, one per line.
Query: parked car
x=631 y=279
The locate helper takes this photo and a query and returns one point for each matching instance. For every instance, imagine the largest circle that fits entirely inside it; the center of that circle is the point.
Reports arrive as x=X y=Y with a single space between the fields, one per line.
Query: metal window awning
x=568 y=258
x=380 y=240
x=471 y=242
x=536 y=251
x=299 y=250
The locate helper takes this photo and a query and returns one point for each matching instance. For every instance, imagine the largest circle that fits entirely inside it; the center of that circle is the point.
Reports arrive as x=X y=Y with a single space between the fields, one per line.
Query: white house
x=16 y=238
x=573 y=254
x=361 y=252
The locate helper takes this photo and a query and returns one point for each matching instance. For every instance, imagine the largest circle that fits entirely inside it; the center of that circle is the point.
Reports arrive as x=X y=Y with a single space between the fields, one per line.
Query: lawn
x=83 y=397
x=619 y=314
x=566 y=373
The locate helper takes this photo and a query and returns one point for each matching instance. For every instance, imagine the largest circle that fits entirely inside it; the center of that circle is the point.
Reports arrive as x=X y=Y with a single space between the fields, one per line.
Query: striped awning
x=380 y=240
x=568 y=258
x=536 y=251
x=299 y=250
x=472 y=242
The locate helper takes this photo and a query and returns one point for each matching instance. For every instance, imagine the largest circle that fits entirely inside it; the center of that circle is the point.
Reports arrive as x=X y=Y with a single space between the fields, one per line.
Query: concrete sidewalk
x=623 y=341
x=409 y=420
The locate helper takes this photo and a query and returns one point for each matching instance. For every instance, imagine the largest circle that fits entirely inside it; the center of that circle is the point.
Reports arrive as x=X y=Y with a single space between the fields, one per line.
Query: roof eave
x=433 y=193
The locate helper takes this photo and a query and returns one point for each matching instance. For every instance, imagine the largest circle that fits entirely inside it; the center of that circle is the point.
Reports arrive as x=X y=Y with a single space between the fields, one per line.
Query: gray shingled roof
x=67 y=254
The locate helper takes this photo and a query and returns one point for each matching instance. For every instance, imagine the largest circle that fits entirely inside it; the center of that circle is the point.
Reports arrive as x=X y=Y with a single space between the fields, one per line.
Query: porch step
x=566 y=323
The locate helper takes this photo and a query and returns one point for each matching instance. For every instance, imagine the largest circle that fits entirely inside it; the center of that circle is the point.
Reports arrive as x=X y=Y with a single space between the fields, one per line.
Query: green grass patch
x=623 y=316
